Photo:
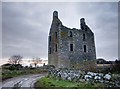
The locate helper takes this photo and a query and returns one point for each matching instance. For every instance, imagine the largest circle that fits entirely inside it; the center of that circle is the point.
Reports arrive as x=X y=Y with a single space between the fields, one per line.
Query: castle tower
x=70 y=48
x=53 y=41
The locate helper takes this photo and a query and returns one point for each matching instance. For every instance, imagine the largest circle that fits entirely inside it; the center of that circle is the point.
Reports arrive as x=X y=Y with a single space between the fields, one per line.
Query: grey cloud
x=103 y=19
x=26 y=26
x=22 y=34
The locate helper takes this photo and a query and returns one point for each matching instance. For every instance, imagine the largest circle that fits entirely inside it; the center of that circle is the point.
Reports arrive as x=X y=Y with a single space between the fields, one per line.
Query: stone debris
x=107 y=76
x=81 y=76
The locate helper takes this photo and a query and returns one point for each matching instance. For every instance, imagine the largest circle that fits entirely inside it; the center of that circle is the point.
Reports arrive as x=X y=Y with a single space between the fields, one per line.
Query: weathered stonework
x=70 y=48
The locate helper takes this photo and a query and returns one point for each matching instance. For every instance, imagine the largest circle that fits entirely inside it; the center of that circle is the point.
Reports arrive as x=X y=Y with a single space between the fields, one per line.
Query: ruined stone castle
x=70 y=48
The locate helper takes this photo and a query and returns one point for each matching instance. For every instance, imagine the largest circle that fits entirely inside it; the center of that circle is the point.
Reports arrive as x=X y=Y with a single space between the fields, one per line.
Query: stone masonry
x=70 y=48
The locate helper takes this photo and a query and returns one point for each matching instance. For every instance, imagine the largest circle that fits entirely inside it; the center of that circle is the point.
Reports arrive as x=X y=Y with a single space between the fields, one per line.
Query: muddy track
x=21 y=82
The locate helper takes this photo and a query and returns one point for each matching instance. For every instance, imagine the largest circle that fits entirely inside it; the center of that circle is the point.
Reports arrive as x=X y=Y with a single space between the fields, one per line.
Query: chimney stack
x=55 y=14
x=82 y=23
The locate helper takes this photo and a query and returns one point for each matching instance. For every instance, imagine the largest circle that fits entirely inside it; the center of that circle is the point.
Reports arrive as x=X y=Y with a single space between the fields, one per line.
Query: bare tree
x=15 y=59
x=36 y=61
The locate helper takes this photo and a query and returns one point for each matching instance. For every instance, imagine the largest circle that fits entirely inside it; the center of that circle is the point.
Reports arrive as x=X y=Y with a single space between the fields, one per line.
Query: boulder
x=87 y=77
x=97 y=77
x=107 y=76
x=69 y=78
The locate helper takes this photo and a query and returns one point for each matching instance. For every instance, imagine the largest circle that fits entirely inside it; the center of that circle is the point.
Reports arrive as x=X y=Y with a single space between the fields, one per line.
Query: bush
x=12 y=68
x=15 y=67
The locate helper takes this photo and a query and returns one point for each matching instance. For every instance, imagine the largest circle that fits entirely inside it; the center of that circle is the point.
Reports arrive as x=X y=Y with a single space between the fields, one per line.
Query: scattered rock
x=107 y=76
x=81 y=76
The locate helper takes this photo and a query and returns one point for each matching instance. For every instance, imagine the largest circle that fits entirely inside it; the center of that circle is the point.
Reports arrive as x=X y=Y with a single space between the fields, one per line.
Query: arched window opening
x=71 y=47
x=49 y=38
x=83 y=37
x=55 y=34
x=85 y=48
x=55 y=47
x=50 y=50
x=71 y=34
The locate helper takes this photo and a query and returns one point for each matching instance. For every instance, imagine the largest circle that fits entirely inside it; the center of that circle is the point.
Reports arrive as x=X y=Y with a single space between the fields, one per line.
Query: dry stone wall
x=108 y=79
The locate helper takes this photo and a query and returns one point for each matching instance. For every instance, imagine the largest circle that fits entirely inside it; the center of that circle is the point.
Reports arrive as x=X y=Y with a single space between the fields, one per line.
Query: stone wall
x=109 y=79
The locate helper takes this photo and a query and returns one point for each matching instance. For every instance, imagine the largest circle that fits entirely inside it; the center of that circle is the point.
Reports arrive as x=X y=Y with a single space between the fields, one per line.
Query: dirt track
x=21 y=82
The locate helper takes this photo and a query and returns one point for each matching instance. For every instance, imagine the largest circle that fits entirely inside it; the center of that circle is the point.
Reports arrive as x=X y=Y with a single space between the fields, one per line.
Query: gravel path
x=21 y=82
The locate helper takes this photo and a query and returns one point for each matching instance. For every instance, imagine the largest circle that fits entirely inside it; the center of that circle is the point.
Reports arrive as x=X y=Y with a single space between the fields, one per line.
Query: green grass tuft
x=6 y=74
x=53 y=83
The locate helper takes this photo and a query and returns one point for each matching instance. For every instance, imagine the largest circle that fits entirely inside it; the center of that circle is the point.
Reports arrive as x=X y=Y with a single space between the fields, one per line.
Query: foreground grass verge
x=6 y=74
x=53 y=83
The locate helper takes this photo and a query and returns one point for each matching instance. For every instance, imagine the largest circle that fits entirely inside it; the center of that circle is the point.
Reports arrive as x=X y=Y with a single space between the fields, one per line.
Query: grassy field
x=14 y=73
x=53 y=83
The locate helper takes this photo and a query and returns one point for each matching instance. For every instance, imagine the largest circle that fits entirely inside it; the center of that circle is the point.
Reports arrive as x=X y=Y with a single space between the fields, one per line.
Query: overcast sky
x=25 y=26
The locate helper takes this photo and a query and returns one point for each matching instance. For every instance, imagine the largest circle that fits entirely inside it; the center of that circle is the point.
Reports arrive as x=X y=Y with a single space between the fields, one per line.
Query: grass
x=53 y=83
x=6 y=74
